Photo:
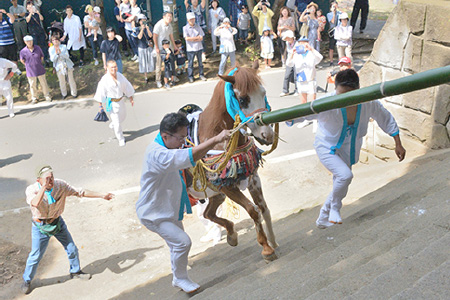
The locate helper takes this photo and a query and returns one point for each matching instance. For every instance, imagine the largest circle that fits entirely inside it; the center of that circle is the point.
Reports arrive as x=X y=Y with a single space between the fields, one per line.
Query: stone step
x=309 y=256
x=431 y=286
x=407 y=272
x=351 y=277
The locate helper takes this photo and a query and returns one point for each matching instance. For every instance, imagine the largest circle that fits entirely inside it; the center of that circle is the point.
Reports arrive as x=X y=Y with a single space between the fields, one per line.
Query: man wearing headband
x=47 y=199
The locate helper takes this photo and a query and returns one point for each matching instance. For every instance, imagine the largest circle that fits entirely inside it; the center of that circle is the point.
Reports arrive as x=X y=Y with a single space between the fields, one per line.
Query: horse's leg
x=237 y=196
x=254 y=187
x=210 y=214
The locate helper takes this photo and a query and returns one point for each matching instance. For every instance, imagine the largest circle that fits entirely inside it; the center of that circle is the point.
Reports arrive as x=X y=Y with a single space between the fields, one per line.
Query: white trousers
x=214 y=39
x=118 y=114
x=179 y=244
x=33 y=86
x=342 y=177
x=62 y=83
x=7 y=93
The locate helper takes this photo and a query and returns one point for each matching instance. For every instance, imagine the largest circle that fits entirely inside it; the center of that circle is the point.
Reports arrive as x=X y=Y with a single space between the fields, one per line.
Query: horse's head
x=251 y=96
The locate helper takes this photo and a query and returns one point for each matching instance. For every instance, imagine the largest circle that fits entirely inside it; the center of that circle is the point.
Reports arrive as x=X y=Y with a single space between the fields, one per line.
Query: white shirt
x=163 y=31
x=108 y=87
x=89 y=20
x=4 y=66
x=213 y=21
x=267 y=44
x=226 y=38
x=72 y=28
x=306 y=64
x=61 y=62
x=343 y=35
x=161 y=187
x=134 y=11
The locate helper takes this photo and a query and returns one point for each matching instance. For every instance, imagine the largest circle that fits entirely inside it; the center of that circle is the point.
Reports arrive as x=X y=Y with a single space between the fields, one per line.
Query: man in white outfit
x=339 y=139
x=74 y=30
x=6 y=67
x=163 y=198
x=111 y=90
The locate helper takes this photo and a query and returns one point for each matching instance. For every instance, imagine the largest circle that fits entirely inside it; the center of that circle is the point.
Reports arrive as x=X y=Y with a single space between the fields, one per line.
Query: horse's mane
x=215 y=117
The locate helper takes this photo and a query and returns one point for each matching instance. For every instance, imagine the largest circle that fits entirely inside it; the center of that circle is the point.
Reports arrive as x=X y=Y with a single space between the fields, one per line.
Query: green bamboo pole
x=377 y=91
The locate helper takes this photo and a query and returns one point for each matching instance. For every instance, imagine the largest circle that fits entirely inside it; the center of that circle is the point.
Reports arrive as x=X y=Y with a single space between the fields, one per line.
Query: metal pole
x=377 y=91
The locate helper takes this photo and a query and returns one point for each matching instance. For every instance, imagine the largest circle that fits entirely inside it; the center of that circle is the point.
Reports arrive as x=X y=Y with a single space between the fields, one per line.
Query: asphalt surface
x=86 y=154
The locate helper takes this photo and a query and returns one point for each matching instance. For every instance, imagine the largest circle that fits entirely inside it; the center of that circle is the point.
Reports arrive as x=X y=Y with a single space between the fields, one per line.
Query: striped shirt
x=6 y=33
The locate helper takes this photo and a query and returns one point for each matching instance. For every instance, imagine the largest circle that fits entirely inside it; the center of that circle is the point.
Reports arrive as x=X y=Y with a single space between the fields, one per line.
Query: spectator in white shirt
x=343 y=36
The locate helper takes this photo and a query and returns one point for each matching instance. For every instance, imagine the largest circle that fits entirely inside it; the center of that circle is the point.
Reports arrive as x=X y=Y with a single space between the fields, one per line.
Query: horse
x=246 y=85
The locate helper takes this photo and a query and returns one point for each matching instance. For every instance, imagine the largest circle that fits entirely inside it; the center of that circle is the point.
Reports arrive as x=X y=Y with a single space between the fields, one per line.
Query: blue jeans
x=119 y=65
x=191 y=56
x=39 y=243
x=96 y=44
x=243 y=34
x=132 y=41
x=223 y=61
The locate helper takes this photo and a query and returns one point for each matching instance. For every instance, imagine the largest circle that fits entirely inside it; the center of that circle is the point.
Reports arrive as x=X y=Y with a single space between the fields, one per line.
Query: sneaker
x=303 y=124
x=26 y=287
x=191 y=80
x=203 y=78
x=81 y=63
x=122 y=143
x=134 y=58
x=34 y=101
x=95 y=39
x=175 y=79
x=95 y=62
x=64 y=97
x=335 y=217
x=296 y=94
x=323 y=224
x=76 y=96
x=12 y=115
x=48 y=99
x=158 y=84
x=186 y=285
x=167 y=86
x=80 y=275
x=284 y=94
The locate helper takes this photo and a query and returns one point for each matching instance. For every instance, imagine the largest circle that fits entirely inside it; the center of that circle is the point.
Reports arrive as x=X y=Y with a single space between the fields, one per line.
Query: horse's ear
x=255 y=64
x=229 y=79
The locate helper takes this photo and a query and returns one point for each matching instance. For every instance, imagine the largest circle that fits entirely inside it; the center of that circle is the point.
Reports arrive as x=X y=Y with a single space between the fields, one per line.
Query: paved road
x=85 y=153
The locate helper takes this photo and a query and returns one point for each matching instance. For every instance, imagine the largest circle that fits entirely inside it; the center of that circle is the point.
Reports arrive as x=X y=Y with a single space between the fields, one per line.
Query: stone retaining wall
x=416 y=38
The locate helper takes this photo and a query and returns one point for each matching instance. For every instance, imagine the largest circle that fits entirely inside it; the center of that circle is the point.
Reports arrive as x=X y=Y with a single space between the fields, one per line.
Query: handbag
x=49 y=229
x=101 y=116
x=304 y=29
x=331 y=32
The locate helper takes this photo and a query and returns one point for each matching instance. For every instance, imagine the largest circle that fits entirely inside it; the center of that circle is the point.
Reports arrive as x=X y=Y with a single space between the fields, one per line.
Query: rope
x=275 y=142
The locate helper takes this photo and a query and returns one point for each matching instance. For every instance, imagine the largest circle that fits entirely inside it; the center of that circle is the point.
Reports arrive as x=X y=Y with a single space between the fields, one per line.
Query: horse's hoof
x=232 y=239
x=269 y=257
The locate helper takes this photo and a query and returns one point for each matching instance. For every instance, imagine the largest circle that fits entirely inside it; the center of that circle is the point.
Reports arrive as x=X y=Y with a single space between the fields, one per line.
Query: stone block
x=414 y=14
x=436 y=23
x=388 y=48
x=369 y=74
x=448 y=128
x=395 y=99
x=421 y=100
x=412 y=56
x=434 y=56
x=414 y=123
x=439 y=137
x=441 y=109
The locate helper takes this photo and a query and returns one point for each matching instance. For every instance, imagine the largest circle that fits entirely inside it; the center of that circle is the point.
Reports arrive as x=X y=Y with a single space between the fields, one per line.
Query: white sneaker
x=323 y=224
x=158 y=84
x=186 y=285
x=11 y=115
x=303 y=124
x=335 y=217
x=33 y=101
x=95 y=62
x=296 y=94
x=284 y=94
x=122 y=143
x=135 y=57
x=48 y=99
x=203 y=56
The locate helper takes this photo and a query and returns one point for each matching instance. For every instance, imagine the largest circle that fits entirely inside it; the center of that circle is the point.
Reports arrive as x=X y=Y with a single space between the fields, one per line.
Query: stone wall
x=416 y=38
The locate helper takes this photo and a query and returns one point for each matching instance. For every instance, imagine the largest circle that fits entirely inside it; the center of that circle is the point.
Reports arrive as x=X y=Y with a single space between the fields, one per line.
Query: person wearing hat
x=33 y=57
x=343 y=37
x=47 y=199
x=309 y=16
x=193 y=34
x=20 y=24
x=344 y=64
x=162 y=31
x=73 y=31
x=264 y=15
x=92 y=22
x=289 y=74
x=216 y=15
x=227 y=46
x=267 y=46
x=305 y=58
x=363 y=6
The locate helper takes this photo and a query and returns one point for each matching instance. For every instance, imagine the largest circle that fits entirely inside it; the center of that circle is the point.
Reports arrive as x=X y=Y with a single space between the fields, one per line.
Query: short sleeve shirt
x=163 y=31
x=193 y=31
x=33 y=63
x=111 y=49
x=244 y=21
x=34 y=26
x=6 y=33
x=199 y=17
x=88 y=19
x=117 y=13
x=17 y=11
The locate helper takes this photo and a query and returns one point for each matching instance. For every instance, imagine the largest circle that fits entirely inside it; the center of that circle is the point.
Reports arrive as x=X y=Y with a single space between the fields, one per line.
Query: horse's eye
x=243 y=102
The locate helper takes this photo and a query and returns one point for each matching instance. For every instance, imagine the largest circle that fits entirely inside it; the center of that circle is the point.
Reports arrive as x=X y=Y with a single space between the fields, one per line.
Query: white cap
x=97 y=9
x=141 y=16
x=287 y=34
x=27 y=38
x=190 y=15
x=343 y=16
x=226 y=20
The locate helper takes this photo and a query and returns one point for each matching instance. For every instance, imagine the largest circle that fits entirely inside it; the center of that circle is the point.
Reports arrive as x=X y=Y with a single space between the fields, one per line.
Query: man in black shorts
x=8 y=47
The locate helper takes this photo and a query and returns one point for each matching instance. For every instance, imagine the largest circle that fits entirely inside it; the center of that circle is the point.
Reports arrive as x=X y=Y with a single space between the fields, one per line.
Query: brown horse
x=251 y=95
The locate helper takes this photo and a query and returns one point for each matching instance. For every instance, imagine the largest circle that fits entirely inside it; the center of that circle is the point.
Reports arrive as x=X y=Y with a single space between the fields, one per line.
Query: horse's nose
x=268 y=137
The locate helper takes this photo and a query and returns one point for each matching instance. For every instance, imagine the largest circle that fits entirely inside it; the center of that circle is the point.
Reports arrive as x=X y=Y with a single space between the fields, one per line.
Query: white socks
x=186 y=285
